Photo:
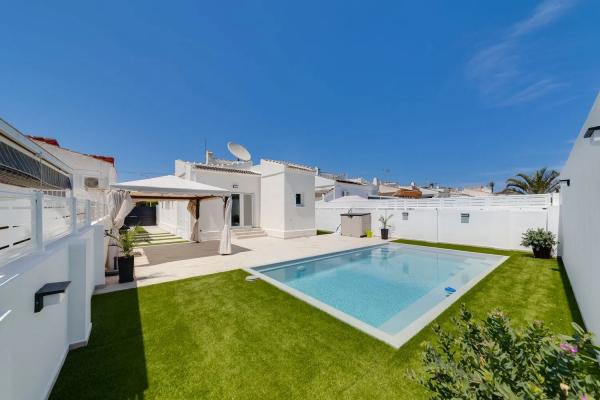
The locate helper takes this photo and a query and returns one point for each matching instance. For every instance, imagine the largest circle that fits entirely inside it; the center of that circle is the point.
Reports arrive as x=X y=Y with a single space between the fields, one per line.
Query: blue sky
x=452 y=92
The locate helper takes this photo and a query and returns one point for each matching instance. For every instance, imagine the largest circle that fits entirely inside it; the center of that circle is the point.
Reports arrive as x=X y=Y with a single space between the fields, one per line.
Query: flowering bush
x=538 y=239
x=491 y=360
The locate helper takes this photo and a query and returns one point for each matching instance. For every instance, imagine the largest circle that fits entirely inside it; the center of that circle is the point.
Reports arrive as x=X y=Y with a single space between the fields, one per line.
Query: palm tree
x=540 y=181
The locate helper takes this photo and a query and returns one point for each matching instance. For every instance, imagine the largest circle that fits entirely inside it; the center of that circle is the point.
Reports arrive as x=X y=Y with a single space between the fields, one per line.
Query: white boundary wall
x=71 y=247
x=580 y=220
x=497 y=221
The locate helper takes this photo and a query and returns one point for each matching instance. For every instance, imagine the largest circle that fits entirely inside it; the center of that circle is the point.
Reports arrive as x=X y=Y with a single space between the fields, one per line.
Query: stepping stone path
x=154 y=239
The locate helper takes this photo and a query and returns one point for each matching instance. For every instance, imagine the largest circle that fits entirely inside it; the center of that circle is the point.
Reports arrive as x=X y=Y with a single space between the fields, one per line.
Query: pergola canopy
x=169 y=187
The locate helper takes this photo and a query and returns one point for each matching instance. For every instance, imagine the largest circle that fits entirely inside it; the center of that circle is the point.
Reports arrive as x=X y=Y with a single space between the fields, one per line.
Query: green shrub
x=384 y=221
x=538 y=239
x=125 y=241
x=491 y=360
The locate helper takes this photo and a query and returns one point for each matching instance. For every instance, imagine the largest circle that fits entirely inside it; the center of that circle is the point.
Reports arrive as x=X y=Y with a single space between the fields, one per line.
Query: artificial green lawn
x=221 y=337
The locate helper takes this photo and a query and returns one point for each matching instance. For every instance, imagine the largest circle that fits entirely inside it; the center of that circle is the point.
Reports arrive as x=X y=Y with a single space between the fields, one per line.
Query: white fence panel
x=29 y=220
x=81 y=214
x=494 y=221
x=56 y=217
x=15 y=225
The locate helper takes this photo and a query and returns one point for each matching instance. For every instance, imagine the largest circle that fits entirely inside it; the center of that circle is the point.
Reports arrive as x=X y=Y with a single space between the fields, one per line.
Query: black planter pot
x=542 y=252
x=385 y=233
x=125 y=266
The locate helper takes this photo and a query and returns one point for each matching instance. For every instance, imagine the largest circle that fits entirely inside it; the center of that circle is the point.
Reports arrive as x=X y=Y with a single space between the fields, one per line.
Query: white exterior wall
x=341 y=189
x=280 y=216
x=354 y=190
x=33 y=346
x=299 y=220
x=83 y=166
x=166 y=216
x=580 y=221
x=500 y=227
x=272 y=207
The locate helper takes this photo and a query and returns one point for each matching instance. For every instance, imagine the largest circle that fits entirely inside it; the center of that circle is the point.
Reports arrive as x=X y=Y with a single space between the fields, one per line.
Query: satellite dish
x=239 y=151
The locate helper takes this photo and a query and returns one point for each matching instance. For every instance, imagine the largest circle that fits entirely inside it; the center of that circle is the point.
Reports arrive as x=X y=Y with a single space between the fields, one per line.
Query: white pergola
x=171 y=187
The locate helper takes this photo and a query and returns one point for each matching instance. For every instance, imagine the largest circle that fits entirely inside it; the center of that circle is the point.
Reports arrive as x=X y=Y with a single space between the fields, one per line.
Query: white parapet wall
x=52 y=245
x=497 y=221
x=580 y=219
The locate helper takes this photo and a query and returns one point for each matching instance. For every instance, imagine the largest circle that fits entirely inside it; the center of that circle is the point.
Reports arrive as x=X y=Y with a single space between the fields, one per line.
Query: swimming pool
x=389 y=291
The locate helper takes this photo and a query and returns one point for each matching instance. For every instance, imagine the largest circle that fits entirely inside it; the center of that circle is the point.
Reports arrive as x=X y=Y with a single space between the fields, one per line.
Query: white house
x=273 y=198
x=91 y=174
x=331 y=188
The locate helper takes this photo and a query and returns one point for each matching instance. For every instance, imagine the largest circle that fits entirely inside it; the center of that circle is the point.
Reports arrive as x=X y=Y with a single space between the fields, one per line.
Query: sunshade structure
x=170 y=187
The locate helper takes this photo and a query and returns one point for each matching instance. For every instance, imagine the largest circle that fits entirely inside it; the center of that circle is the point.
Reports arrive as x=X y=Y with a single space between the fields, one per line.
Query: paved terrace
x=164 y=263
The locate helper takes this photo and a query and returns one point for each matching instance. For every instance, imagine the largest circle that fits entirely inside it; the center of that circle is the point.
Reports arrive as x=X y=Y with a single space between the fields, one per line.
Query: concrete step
x=247 y=233
x=246 y=230
x=251 y=235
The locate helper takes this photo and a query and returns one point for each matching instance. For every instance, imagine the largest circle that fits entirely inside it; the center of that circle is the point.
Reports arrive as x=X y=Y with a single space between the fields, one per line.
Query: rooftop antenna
x=205 y=148
x=238 y=151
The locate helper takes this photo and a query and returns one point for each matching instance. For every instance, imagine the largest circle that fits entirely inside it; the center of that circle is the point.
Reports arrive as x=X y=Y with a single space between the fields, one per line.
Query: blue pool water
x=386 y=287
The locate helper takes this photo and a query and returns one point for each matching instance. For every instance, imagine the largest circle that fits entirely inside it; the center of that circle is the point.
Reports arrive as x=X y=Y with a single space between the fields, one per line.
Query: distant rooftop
x=293 y=165
x=221 y=168
x=54 y=142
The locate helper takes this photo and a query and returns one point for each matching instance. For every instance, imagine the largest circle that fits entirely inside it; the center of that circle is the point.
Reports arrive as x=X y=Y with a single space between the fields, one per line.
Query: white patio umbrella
x=225 y=243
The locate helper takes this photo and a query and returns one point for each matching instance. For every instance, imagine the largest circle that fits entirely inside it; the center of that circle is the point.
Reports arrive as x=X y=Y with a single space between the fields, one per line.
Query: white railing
x=484 y=202
x=16 y=223
x=56 y=217
x=30 y=220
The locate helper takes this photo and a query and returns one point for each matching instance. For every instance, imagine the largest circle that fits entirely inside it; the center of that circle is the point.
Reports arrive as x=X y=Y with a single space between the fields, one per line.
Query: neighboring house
x=477 y=191
x=329 y=189
x=390 y=189
x=274 y=198
x=92 y=174
x=25 y=165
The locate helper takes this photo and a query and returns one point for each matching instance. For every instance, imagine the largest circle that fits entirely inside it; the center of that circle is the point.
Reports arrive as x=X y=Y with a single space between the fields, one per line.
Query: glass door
x=235 y=210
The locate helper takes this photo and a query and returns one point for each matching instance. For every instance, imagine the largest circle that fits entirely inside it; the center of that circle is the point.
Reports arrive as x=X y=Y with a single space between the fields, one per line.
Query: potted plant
x=541 y=242
x=384 y=226
x=125 y=262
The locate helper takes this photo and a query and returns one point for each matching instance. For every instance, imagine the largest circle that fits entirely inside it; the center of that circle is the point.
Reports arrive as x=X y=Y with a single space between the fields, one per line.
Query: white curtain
x=225 y=243
x=120 y=205
x=191 y=207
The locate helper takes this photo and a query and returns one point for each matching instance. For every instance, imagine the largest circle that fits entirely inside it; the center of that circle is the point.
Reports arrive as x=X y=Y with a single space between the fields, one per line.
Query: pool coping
x=400 y=338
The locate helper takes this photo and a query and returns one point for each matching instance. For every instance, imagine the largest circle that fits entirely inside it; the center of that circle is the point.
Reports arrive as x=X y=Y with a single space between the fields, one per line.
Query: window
x=90 y=182
x=464 y=218
x=405 y=216
x=299 y=200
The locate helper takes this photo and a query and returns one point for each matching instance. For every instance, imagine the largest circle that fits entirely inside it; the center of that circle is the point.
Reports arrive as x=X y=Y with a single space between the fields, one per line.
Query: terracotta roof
x=409 y=193
x=293 y=165
x=107 y=159
x=225 y=169
x=47 y=140
x=54 y=142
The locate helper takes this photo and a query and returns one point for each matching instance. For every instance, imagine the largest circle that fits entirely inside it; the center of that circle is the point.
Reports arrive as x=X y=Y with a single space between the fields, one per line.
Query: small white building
x=273 y=198
x=92 y=174
x=329 y=189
